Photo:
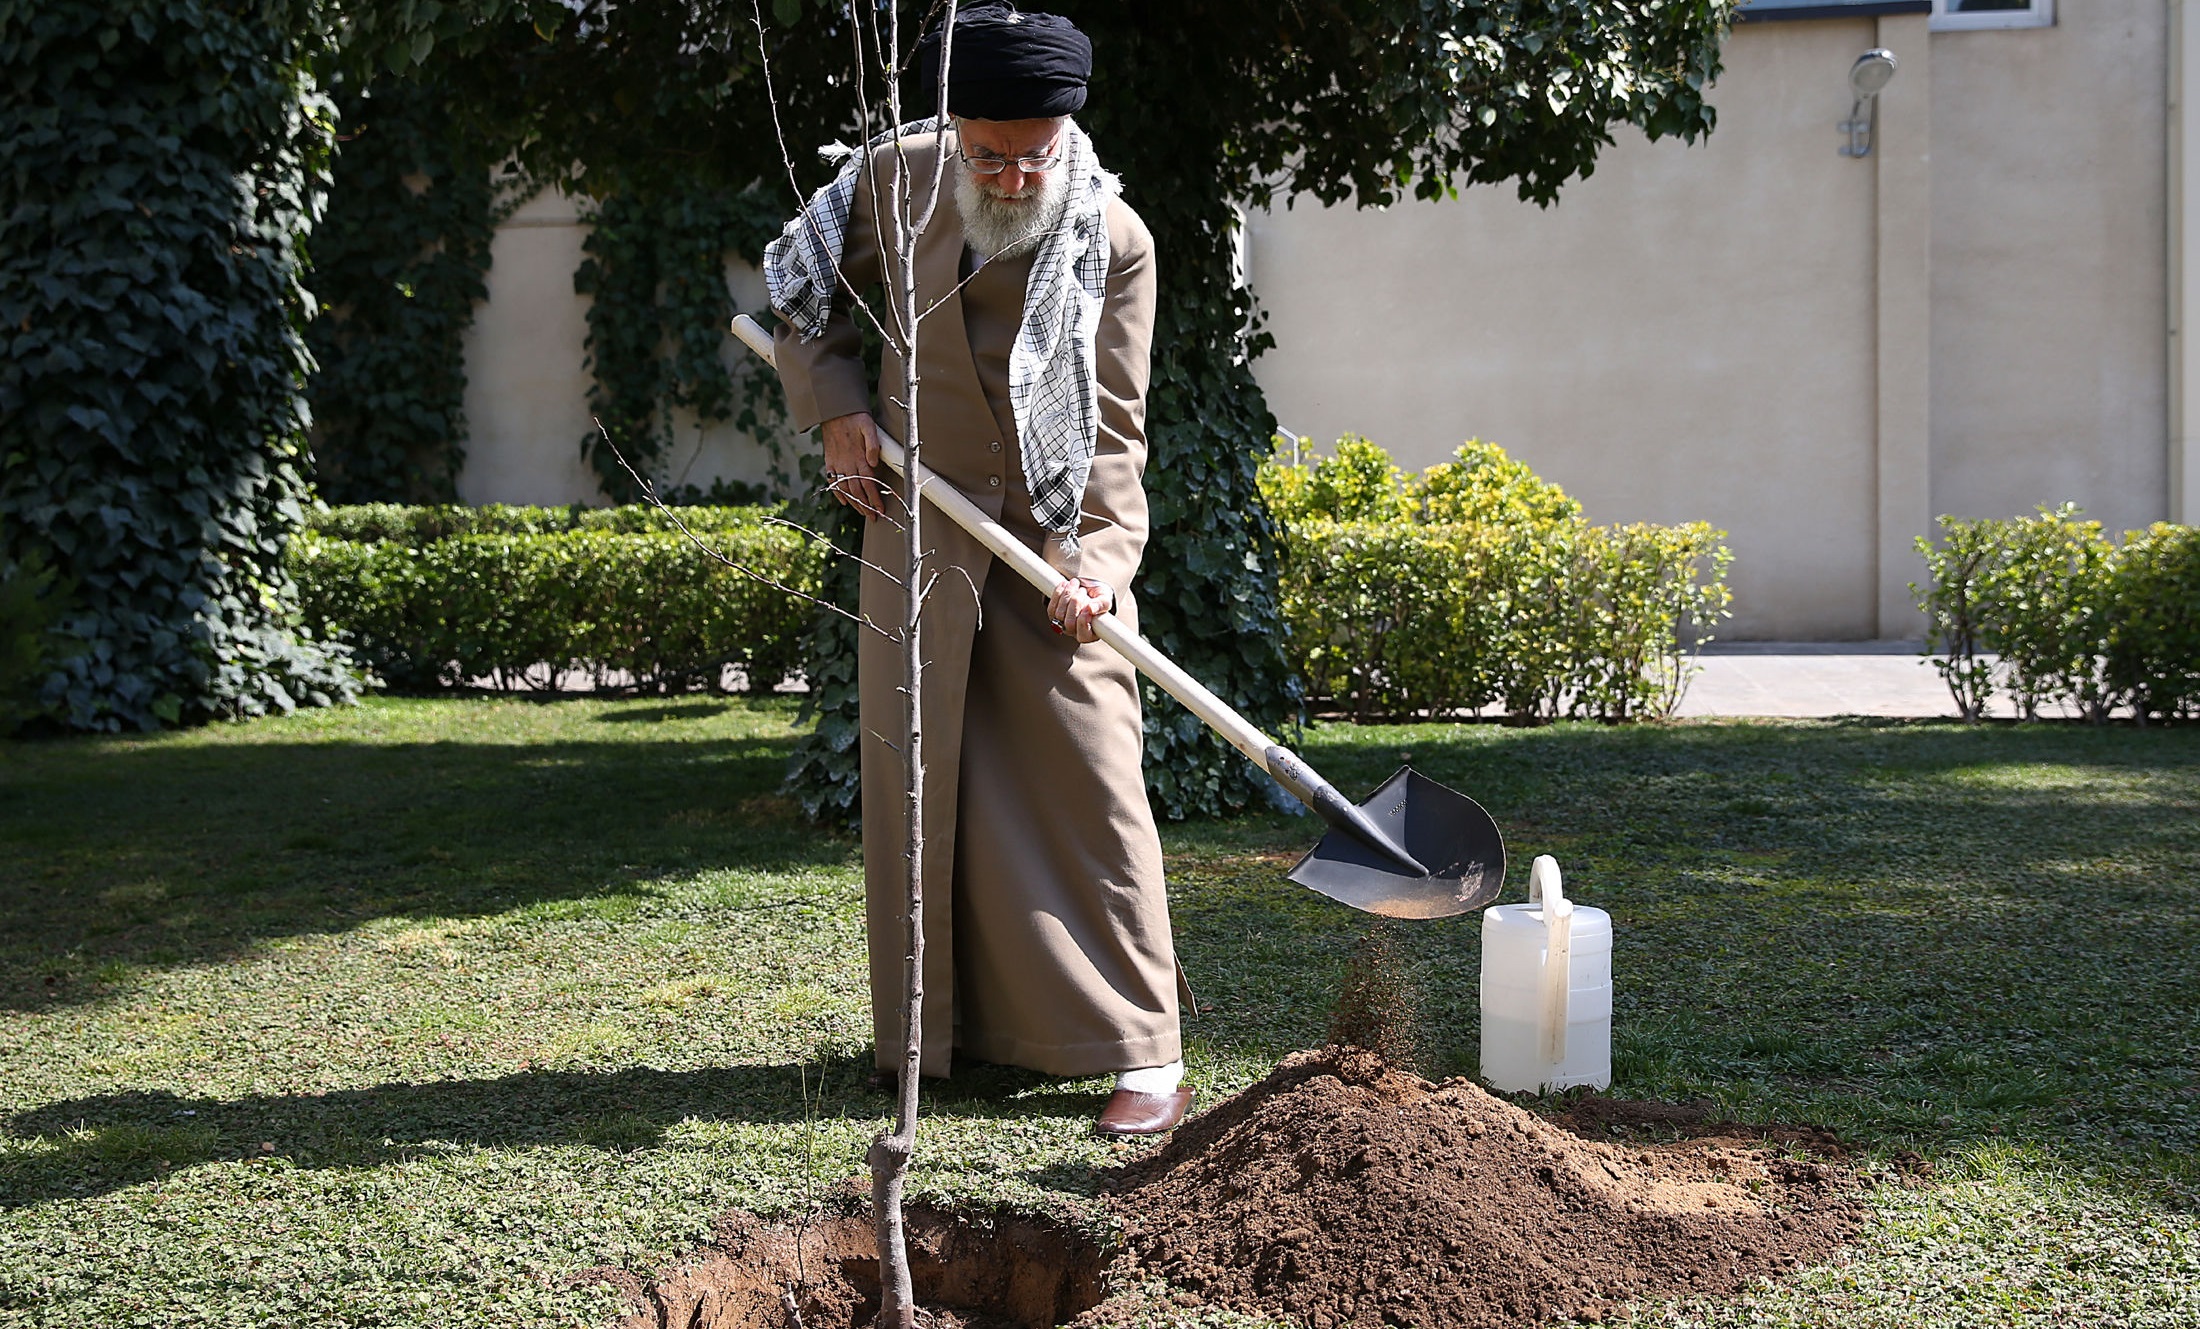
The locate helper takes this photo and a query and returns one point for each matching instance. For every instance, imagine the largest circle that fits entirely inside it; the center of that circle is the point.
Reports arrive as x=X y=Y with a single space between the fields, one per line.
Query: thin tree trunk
x=890 y=1153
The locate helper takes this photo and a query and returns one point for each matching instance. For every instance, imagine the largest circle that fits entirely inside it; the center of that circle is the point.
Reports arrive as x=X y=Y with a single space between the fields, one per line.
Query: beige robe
x=1051 y=949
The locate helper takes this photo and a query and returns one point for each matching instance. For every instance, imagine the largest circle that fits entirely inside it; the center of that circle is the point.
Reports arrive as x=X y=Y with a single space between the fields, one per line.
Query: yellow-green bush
x=2154 y=645
x=1477 y=583
x=1482 y=484
x=2049 y=608
x=517 y=608
x=1357 y=483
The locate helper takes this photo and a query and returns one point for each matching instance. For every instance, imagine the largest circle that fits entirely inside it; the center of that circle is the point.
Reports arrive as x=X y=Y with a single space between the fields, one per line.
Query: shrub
x=32 y=599
x=1478 y=582
x=423 y=524
x=2049 y=609
x=1358 y=484
x=1482 y=484
x=2154 y=645
x=518 y=609
x=1957 y=609
x=1643 y=586
x=1383 y=618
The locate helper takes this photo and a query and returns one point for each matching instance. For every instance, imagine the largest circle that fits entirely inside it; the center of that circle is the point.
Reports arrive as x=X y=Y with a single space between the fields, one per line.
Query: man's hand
x=851 y=461
x=1076 y=604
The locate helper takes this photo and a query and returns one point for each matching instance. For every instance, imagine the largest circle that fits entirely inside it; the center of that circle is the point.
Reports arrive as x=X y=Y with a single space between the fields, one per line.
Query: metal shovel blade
x=1443 y=828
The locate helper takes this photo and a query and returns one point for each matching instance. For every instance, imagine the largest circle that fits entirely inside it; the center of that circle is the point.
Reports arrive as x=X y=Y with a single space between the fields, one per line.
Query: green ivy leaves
x=398 y=265
x=162 y=162
x=658 y=318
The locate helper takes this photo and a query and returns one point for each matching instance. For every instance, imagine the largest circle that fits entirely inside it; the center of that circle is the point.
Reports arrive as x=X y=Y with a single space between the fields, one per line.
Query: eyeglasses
x=988 y=164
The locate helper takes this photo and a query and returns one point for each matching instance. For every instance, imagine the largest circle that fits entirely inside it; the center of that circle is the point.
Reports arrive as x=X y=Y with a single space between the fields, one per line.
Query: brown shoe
x=1131 y=1113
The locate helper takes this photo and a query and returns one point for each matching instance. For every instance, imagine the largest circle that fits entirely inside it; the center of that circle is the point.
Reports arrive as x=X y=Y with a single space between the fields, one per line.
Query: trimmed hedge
x=1472 y=584
x=2050 y=609
x=1477 y=583
x=423 y=524
x=602 y=592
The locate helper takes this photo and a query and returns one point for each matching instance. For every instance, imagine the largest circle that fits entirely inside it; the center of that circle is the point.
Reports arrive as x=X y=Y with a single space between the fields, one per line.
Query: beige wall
x=527 y=379
x=1813 y=352
x=526 y=394
x=2050 y=299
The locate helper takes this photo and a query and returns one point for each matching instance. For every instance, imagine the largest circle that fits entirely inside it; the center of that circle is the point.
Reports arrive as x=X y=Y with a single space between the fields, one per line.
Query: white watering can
x=1546 y=990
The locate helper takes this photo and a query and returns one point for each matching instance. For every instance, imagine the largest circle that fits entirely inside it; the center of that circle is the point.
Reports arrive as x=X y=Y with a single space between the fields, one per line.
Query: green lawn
x=403 y=1014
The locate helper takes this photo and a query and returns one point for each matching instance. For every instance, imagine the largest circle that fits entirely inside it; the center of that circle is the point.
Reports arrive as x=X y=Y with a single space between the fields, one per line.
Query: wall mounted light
x=1867 y=77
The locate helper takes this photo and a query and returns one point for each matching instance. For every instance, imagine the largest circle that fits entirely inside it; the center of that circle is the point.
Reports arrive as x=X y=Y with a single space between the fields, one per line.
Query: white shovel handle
x=1546 y=887
x=1005 y=546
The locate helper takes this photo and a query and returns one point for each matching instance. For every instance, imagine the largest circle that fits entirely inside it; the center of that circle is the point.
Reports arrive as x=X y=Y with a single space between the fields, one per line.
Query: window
x=1957 y=15
x=1759 y=11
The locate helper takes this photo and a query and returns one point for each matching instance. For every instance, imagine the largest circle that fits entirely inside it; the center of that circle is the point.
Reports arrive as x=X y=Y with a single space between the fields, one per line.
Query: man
x=1052 y=950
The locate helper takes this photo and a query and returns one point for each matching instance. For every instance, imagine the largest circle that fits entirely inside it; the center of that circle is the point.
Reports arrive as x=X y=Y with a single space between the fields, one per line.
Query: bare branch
x=827 y=541
x=939 y=139
x=802 y=200
x=977 y=601
x=869 y=176
x=649 y=496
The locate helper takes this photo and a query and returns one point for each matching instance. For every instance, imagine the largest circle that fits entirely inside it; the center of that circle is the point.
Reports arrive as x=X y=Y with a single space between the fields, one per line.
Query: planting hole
x=979 y=1271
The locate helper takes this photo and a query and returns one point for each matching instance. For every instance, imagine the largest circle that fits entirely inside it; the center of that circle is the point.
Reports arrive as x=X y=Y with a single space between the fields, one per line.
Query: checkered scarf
x=1052 y=388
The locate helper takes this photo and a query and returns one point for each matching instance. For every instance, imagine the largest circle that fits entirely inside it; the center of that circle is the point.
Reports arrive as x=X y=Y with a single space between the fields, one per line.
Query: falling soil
x=1341 y=1192
x=1376 y=1008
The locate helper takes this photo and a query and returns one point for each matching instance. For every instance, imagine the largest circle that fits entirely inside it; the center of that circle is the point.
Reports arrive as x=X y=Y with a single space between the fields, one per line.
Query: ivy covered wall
x=159 y=162
x=398 y=266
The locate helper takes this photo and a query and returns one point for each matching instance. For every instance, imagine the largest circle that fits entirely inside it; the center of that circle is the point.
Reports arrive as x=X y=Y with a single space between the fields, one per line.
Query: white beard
x=996 y=227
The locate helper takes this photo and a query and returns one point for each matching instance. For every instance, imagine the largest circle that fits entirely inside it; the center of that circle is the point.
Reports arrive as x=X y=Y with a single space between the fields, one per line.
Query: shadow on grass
x=684 y=710
x=106 y=1142
x=1918 y=935
x=120 y=856
x=110 y=1141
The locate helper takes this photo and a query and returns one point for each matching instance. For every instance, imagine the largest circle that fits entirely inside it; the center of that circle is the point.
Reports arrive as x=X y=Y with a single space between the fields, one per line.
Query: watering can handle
x=1547 y=888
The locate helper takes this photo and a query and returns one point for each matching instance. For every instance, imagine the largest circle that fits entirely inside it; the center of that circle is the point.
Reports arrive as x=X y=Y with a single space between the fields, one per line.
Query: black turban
x=1005 y=65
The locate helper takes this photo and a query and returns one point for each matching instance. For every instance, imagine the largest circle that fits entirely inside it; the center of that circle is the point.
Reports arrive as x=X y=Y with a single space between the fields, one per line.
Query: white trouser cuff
x=1152 y=1079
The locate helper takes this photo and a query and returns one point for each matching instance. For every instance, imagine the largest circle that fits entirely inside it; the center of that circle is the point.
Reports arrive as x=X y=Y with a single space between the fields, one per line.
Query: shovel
x=1414 y=849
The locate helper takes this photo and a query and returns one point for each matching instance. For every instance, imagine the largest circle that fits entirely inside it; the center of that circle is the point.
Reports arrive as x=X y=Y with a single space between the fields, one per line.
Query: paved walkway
x=1802 y=679
x=1815 y=679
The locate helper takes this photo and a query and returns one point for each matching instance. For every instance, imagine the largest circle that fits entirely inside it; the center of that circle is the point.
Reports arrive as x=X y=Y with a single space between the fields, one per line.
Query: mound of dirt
x=1341 y=1192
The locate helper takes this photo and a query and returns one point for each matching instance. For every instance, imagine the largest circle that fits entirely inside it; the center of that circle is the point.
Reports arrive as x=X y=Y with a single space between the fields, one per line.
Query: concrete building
x=1816 y=351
